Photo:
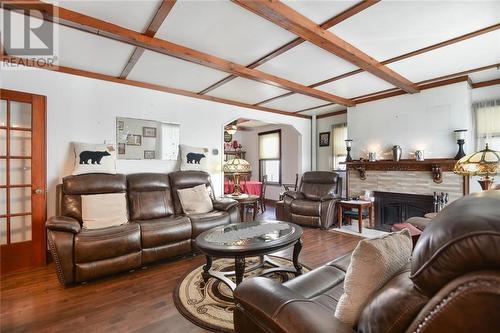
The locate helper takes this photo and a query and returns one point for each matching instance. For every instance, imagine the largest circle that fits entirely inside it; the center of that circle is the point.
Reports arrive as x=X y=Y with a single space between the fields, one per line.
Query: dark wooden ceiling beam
x=98 y=76
x=398 y=58
x=360 y=6
x=158 y=19
x=331 y=114
x=287 y=18
x=102 y=28
x=485 y=83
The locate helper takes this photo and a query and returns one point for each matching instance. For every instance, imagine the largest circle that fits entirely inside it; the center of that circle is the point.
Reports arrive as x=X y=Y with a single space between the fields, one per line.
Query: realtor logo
x=25 y=33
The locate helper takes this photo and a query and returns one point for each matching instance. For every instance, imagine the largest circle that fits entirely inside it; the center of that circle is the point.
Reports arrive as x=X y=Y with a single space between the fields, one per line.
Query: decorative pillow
x=195 y=200
x=104 y=210
x=373 y=263
x=94 y=158
x=193 y=158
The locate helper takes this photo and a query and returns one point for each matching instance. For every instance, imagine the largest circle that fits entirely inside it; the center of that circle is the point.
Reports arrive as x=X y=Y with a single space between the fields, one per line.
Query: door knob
x=38 y=191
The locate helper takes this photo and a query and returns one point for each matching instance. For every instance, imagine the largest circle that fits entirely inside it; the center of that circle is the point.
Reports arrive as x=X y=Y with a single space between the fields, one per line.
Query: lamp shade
x=237 y=165
x=482 y=163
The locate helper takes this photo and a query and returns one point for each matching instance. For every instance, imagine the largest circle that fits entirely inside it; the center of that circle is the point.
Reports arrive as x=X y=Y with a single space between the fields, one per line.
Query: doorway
x=22 y=180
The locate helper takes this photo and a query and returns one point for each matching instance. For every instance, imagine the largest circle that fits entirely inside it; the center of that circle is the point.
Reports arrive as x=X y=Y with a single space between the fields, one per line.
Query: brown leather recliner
x=314 y=204
x=157 y=228
x=453 y=284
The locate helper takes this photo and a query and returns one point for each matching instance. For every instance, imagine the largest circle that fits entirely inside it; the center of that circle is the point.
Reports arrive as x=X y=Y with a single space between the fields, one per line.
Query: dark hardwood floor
x=140 y=301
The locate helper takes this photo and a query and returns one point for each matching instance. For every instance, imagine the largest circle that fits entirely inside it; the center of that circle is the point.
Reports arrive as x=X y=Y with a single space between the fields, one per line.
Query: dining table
x=252 y=187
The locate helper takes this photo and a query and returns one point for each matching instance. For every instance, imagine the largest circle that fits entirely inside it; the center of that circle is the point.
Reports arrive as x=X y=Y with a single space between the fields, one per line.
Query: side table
x=360 y=205
x=244 y=200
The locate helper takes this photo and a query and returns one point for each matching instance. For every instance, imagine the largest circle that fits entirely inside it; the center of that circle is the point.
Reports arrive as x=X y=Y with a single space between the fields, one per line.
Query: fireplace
x=391 y=208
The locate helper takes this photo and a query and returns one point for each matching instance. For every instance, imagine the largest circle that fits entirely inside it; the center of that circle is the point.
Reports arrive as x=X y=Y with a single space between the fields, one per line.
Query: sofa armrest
x=328 y=197
x=276 y=308
x=63 y=223
x=294 y=195
x=224 y=204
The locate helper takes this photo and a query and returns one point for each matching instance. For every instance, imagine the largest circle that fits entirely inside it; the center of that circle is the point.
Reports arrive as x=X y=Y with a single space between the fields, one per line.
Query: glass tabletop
x=248 y=234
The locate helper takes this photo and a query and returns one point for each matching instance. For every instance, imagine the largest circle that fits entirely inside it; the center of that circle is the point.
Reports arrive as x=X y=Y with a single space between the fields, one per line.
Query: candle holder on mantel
x=460 y=136
x=348 y=144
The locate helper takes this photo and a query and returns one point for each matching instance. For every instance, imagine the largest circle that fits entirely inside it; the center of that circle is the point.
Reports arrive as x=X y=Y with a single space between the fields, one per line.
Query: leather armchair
x=314 y=204
x=451 y=285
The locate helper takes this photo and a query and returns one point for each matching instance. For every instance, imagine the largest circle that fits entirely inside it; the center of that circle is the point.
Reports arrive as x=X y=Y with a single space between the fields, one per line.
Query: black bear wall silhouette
x=194 y=158
x=92 y=156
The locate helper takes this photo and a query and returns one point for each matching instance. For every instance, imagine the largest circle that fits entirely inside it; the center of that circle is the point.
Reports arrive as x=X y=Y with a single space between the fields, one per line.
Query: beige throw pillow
x=104 y=210
x=195 y=200
x=373 y=263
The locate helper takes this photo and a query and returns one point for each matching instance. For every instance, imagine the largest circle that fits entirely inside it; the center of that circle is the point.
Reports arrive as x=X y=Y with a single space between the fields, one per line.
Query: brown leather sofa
x=314 y=204
x=453 y=284
x=157 y=227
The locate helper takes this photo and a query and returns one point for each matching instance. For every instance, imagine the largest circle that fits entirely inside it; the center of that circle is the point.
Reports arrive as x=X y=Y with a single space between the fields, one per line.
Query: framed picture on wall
x=121 y=148
x=134 y=140
x=119 y=125
x=324 y=139
x=149 y=154
x=149 y=132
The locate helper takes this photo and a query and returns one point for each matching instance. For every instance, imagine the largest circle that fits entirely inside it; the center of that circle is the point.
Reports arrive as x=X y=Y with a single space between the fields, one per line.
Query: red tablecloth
x=249 y=187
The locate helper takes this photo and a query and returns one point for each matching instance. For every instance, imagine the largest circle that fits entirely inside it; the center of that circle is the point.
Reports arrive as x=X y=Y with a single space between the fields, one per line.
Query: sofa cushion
x=306 y=207
x=373 y=263
x=104 y=210
x=99 y=244
x=195 y=200
x=162 y=231
x=149 y=196
x=203 y=222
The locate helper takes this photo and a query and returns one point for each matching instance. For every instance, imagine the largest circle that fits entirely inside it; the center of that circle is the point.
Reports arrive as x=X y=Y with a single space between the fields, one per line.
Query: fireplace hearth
x=392 y=208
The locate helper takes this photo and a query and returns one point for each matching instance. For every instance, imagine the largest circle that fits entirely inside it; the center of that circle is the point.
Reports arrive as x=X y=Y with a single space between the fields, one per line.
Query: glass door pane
x=20 y=172
x=20 y=114
x=20 y=200
x=20 y=229
x=3 y=231
x=3 y=113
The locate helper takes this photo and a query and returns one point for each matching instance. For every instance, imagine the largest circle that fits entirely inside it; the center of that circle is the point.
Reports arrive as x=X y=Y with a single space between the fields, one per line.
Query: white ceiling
x=223 y=29
x=392 y=28
x=226 y=30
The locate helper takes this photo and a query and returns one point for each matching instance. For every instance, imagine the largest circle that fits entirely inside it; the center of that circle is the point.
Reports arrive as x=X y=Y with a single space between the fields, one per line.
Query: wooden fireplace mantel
x=436 y=166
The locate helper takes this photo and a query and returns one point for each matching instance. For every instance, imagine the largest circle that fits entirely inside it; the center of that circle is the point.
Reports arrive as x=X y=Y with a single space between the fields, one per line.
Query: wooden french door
x=22 y=180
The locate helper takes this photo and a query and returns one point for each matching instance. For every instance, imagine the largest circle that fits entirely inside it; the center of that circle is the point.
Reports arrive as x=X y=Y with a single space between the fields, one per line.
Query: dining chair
x=290 y=187
x=262 y=198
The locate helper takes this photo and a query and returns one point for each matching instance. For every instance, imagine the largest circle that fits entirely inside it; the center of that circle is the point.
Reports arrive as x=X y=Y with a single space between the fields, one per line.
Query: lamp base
x=237 y=187
x=485 y=183
x=460 y=152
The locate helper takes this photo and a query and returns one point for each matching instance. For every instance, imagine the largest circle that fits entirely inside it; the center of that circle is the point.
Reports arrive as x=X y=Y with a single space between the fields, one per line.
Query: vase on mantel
x=396 y=153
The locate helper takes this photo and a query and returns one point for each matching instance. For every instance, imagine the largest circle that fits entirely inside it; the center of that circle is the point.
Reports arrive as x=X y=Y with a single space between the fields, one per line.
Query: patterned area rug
x=210 y=305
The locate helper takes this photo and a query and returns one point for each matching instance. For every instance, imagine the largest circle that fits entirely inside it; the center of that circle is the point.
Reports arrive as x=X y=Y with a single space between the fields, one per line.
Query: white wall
x=420 y=121
x=486 y=93
x=324 y=154
x=291 y=154
x=83 y=109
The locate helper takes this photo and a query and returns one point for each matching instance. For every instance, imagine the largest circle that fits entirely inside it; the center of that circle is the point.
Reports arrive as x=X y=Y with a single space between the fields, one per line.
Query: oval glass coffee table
x=251 y=239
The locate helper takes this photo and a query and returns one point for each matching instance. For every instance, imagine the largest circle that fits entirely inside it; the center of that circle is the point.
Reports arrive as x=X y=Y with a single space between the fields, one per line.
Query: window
x=488 y=124
x=270 y=156
x=339 y=153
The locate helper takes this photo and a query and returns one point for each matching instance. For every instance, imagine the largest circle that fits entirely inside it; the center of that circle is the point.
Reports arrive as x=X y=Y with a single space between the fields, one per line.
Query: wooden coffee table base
x=240 y=269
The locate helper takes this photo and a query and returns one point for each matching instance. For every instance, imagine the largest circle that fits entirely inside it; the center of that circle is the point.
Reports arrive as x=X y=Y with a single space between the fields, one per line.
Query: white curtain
x=339 y=153
x=269 y=146
x=487 y=117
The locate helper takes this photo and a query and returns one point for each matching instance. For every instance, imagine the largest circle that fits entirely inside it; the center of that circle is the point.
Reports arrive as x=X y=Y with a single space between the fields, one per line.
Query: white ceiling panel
x=222 y=29
x=131 y=14
x=489 y=74
x=160 y=69
x=295 y=102
x=246 y=91
x=393 y=28
x=93 y=53
x=82 y=50
x=324 y=109
x=356 y=85
x=319 y=11
x=473 y=53
x=307 y=64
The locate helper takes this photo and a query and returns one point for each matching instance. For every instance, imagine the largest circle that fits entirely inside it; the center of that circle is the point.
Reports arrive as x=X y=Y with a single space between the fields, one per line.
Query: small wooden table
x=245 y=200
x=360 y=205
